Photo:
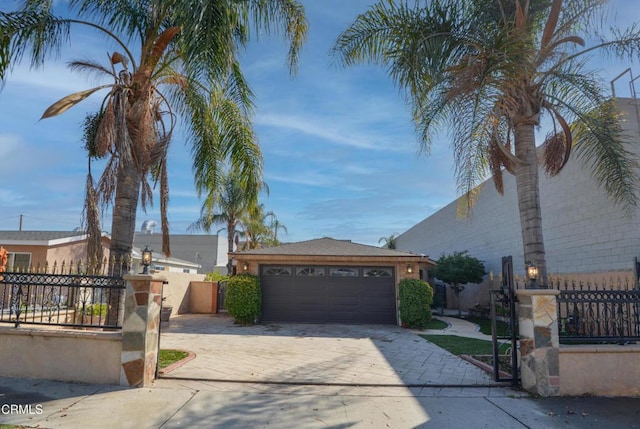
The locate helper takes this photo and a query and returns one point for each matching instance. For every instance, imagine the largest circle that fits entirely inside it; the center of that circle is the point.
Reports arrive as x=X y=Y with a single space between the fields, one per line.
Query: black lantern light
x=146 y=260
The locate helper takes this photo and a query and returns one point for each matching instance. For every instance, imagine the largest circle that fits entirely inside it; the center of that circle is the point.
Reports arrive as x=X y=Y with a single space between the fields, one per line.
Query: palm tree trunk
x=122 y=230
x=528 y=190
x=231 y=229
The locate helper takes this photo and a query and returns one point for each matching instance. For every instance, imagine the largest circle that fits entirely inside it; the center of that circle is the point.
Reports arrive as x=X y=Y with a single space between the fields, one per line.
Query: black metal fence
x=592 y=314
x=68 y=296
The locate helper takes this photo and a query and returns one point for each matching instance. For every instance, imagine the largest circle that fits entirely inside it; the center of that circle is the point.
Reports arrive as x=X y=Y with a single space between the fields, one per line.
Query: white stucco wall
x=584 y=231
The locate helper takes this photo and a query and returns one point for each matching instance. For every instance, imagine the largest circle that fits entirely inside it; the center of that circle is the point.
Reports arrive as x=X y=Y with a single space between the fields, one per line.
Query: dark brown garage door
x=328 y=294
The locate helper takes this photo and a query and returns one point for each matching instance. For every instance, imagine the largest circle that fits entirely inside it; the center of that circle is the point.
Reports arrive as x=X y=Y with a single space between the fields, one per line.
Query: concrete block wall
x=584 y=231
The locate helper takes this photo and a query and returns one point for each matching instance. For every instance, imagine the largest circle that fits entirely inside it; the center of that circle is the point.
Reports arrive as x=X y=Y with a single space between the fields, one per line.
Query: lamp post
x=532 y=274
x=146 y=260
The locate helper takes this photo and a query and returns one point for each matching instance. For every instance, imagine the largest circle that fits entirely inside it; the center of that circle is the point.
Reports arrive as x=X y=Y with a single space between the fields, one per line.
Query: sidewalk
x=196 y=404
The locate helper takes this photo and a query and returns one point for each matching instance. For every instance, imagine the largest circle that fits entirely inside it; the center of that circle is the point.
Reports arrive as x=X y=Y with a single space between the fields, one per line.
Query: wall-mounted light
x=409 y=269
x=245 y=266
x=146 y=260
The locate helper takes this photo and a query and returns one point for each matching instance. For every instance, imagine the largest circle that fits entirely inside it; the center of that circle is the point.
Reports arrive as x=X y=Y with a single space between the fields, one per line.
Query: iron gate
x=503 y=308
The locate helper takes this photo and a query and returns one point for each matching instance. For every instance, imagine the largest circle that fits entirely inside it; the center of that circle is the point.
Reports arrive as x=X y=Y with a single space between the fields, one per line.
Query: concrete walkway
x=459 y=327
x=349 y=355
x=192 y=403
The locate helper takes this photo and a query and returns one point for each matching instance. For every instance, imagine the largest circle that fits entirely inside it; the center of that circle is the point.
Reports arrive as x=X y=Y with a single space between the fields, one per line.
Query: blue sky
x=340 y=154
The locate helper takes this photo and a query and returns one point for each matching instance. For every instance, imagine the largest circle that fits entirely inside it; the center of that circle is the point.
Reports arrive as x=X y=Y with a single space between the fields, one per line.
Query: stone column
x=141 y=329
x=539 y=343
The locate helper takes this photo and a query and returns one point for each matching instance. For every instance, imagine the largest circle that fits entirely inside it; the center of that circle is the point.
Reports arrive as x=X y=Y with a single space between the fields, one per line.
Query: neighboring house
x=584 y=232
x=207 y=251
x=330 y=281
x=39 y=248
x=159 y=262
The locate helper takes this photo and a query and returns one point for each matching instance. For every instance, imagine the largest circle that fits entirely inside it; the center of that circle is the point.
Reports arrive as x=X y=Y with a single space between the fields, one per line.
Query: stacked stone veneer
x=539 y=343
x=141 y=329
x=584 y=231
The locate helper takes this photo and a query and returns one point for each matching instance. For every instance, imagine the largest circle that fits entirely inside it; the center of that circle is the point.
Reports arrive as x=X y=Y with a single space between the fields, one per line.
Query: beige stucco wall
x=64 y=355
x=177 y=291
x=602 y=370
x=38 y=253
x=68 y=253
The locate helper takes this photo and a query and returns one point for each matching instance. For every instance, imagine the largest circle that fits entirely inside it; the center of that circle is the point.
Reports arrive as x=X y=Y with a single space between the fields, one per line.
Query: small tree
x=458 y=269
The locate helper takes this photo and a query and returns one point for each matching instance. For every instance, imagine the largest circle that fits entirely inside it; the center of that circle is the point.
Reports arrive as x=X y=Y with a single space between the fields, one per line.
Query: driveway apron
x=330 y=354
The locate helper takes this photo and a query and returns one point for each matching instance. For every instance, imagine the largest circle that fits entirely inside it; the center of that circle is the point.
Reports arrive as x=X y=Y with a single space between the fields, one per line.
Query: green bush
x=415 y=303
x=244 y=298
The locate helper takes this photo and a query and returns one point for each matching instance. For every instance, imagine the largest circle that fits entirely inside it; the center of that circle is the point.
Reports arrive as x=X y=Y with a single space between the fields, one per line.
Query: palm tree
x=255 y=231
x=490 y=70
x=227 y=205
x=276 y=225
x=389 y=242
x=186 y=66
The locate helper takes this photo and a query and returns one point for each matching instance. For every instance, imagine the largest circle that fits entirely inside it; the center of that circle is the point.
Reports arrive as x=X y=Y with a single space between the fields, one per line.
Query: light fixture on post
x=409 y=269
x=245 y=266
x=532 y=274
x=146 y=260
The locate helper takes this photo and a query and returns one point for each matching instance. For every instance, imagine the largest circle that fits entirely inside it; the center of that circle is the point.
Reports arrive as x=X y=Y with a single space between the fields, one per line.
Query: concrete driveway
x=320 y=354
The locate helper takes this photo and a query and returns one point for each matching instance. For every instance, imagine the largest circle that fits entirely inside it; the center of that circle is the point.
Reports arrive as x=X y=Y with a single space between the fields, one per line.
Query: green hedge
x=244 y=298
x=416 y=297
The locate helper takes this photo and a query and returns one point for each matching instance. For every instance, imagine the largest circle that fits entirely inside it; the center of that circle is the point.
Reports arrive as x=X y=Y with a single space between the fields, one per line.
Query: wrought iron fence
x=604 y=312
x=72 y=295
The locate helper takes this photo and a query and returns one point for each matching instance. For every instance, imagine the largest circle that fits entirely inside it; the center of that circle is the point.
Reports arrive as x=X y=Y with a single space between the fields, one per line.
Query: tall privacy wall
x=584 y=231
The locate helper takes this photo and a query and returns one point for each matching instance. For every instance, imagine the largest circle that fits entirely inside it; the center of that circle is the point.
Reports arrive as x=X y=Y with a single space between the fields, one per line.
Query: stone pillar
x=539 y=343
x=141 y=329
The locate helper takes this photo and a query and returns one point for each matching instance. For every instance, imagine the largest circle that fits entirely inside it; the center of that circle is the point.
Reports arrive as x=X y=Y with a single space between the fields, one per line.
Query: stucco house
x=41 y=248
x=330 y=281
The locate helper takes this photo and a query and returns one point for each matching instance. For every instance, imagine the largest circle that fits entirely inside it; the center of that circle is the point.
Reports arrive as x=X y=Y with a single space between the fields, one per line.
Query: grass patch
x=464 y=346
x=436 y=324
x=169 y=357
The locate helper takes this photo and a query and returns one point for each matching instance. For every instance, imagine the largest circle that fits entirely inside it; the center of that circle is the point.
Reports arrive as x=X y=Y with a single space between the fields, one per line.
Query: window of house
x=18 y=261
x=277 y=271
x=310 y=271
x=378 y=272
x=343 y=272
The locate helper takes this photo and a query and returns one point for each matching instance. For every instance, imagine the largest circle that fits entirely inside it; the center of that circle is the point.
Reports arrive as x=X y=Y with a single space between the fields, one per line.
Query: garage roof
x=327 y=247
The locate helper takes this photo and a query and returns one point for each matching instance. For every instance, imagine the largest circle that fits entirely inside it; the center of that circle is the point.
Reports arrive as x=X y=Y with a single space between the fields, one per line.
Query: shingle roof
x=326 y=247
x=39 y=235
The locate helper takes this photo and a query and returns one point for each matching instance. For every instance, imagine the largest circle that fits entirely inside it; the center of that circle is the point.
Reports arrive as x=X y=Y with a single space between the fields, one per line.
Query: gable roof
x=41 y=238
x=326 y=247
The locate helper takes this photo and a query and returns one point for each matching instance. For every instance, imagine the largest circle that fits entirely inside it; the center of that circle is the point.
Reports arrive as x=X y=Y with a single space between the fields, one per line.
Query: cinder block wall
x=584 y=231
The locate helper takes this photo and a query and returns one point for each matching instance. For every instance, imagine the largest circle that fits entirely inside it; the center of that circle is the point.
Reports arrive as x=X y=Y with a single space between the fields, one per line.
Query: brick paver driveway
x=313 y=354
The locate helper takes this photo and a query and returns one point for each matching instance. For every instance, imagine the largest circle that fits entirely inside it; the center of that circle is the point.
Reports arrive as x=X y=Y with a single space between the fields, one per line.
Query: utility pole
x=20 y=228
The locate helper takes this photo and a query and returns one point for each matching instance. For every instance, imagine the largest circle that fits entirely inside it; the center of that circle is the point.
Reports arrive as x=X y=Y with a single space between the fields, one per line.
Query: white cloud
x=332 y=134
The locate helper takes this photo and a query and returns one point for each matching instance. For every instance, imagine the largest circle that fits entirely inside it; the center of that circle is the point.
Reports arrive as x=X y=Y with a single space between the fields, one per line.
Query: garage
x=321 y=294
x=330 y=281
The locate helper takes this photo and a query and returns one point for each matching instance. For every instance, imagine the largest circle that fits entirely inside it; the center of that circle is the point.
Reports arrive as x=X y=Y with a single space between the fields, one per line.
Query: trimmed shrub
x=244 y=298
x=415 y=303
